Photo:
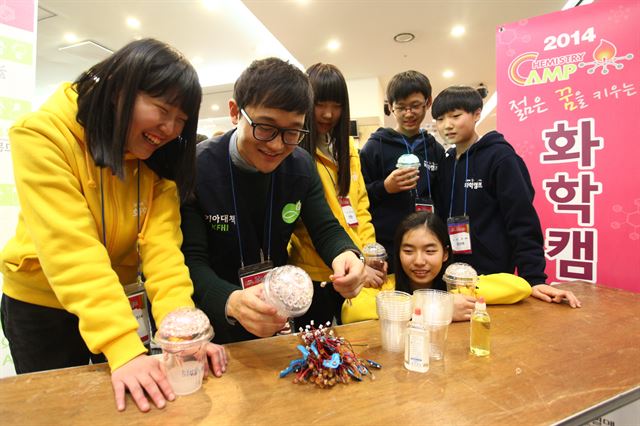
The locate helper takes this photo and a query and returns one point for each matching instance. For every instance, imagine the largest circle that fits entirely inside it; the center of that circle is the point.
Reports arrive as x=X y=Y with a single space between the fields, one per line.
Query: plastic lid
x=460 y=273
x=374 y=249
x=289 y=289
x=184 y=325
x=408 y=160
x=480 y=305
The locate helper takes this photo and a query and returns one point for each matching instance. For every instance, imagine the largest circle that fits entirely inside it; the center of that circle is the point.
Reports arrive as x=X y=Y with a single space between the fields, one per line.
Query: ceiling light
x=215 y=107
x=457 y=31
x=333 y=45
x=70 y=37
x=133 y=22
x=211 y=4
x=403 y=37
x=447 y=74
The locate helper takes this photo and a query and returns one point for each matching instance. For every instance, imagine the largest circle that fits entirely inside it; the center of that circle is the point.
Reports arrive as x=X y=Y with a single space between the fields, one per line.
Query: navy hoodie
x=505 y=229
x=378 y=158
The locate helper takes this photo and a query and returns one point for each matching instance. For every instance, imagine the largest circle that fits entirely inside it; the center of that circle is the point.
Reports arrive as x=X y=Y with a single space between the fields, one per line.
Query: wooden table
x=548 y=364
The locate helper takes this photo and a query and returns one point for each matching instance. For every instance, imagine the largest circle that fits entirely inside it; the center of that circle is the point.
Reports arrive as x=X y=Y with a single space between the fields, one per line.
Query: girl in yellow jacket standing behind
x=338 y=165
x=99 y=169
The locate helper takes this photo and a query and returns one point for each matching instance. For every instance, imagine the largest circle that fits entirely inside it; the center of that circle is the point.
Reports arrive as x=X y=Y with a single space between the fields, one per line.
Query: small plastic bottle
x=416 y=350
x=480 y=339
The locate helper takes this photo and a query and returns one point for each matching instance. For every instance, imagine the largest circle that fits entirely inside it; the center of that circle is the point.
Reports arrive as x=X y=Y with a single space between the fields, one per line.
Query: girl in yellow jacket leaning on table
x=422 y=254
x=98 y=169
x=338 y=165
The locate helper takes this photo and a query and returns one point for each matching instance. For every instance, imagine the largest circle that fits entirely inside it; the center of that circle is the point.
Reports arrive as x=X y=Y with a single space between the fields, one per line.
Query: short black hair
x=106 y=97
x=456 y=97
x=329 y=84
x=273 y=83
x=432 y=223
x=404 y=84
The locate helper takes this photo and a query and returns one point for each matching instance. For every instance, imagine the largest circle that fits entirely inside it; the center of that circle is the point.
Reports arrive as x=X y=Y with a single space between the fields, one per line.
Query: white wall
x=17 y=87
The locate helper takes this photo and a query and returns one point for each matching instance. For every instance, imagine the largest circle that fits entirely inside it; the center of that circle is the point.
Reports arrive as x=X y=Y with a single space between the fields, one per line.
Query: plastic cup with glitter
x=289 y=289
x=374 y=256
x=461 y=278
x=408 y=161
x=394 y=312
x=183 y=335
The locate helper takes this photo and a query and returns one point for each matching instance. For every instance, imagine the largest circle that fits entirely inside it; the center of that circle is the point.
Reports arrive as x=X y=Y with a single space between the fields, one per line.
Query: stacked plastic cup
x=437 y=308
x=289 y=289
x=394 y=312
x=461 y=278
x=182 y=335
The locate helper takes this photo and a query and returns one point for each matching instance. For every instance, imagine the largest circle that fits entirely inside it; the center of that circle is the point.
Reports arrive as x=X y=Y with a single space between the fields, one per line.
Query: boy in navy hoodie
x=394 y=193
x=486 y=195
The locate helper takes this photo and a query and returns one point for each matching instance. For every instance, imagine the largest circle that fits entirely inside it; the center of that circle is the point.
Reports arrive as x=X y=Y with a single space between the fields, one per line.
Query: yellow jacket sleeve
x=67 y=244
x=167 y=277
x=363 y=306
x=502 y=288
x=366 y=231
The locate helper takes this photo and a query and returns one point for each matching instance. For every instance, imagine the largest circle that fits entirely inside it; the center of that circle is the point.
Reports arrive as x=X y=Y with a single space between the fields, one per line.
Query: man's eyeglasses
x=414 y=108
x=267 y=132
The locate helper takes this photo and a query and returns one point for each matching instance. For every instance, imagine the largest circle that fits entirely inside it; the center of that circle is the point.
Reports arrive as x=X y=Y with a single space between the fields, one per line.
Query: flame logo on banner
x=604 y=57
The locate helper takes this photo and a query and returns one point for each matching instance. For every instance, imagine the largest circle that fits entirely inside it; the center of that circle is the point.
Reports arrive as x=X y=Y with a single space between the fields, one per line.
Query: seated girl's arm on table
x=502 y=288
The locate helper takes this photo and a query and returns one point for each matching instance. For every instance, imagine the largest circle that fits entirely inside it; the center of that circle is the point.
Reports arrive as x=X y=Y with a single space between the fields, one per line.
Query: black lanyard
x=104 y=227
x=426 y=159
x=235 y=209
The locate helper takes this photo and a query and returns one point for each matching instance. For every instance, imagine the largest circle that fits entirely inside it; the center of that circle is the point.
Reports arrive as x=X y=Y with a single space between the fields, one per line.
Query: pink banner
x=569 y=103
x=17 y=13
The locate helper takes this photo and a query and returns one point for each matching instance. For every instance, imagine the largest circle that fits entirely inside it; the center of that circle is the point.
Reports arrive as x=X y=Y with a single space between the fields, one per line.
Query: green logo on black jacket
x=290 y=212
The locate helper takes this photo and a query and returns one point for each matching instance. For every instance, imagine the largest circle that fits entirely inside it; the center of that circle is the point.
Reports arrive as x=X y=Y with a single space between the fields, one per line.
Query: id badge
x=347 y=211
x=424 y=205
x=138 y=301
x=254 y=274
x=459 y=234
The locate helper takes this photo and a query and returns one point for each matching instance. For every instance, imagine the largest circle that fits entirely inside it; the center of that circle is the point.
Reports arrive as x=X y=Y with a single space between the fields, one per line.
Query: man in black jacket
x=253 y=183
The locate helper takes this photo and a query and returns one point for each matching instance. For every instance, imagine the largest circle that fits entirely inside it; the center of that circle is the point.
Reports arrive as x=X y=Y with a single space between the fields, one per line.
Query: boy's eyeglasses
x=267 y=132
x=414 y=108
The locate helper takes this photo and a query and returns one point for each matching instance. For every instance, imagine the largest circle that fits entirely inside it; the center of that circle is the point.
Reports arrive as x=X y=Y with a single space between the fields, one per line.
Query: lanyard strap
x=138 y=234
x=104 y=227
x=426 y=161
x=453 y=183
x=329 y=173
x=235 y=210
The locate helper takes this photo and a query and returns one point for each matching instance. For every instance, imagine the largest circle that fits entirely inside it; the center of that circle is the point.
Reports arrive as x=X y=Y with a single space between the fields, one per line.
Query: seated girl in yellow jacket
x=422 y=254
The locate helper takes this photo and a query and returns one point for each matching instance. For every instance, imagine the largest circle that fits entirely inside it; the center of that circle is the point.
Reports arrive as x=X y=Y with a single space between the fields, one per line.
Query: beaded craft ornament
x=327 y=359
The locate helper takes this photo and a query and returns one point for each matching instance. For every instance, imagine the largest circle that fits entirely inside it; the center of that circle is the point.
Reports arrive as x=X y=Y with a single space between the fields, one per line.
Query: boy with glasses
x=252 y=185
x=396 y=192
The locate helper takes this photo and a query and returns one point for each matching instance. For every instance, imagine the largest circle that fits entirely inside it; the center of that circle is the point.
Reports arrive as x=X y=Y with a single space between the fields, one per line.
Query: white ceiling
x=226 y=36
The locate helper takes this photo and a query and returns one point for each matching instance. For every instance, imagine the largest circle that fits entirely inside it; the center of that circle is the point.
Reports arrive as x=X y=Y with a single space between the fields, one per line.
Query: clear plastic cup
x=437 y=308
x=394 y=312
x=461 y=278
x=183 y=335
x=289 y=289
